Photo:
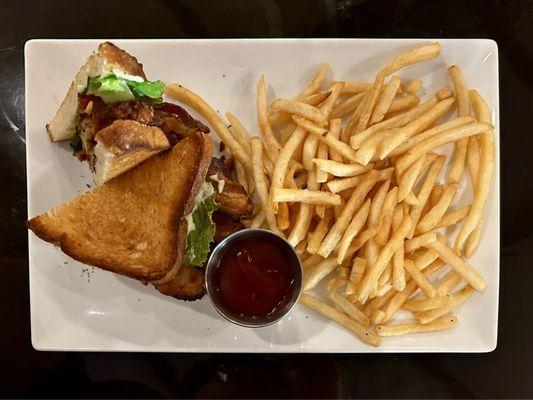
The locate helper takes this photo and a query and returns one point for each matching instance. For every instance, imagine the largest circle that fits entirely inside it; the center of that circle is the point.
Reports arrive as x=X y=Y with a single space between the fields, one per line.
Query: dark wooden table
x=507 y=372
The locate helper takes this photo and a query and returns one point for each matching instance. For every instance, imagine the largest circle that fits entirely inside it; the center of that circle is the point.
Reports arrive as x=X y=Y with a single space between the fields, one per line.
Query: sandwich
x=156 y=222
x=162 y=201
x=114 y=117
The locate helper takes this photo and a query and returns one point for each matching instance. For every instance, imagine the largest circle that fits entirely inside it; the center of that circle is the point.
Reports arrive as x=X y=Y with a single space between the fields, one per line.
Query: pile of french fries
x=351 y=177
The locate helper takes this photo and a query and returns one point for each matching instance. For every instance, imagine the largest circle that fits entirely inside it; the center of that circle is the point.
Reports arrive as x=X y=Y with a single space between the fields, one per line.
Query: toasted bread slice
x=124 y=144
x=134 y=224
x=108 y=58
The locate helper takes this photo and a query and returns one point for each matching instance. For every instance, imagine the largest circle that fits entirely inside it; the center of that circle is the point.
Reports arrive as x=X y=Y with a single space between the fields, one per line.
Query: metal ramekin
x=218 y=253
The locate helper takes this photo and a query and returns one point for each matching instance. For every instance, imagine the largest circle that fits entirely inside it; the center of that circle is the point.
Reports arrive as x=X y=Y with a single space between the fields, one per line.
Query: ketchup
x=254 y=278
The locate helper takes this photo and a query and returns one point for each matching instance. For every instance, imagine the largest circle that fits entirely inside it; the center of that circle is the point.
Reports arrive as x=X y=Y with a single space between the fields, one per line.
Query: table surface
x=506 y=372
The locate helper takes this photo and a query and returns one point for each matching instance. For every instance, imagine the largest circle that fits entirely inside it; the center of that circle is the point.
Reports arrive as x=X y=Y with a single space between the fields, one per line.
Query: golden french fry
x=425 y=259
x=440 y=324
x=354 y=119
x=335 y=131
x=414 y=140
x=370 y=102
x=355 y=201
x=453 y=217
x=425 y=191
x=340 y=169
x=342 y=184
x=321 y=153
x=239 y=131
x=305 y=196
x=398 y=271
x=481 y=191
x=349 y=308
x=320 y=231
x=385 y=99
x=473 y=160
x=315 y=84
x=355 y=87
x=356 y=274
x=353 y=228
x=411 y=199
x=258 y=220
x=473 y=240
x=361 y=240
x=419 y=241
x=408 y=179
x=377 y=204
x=449 y=136
x=383 y=259
x=418 y=54
x=369 y=147
x=402 y=103
x=457 y=299
x=413 y=86
x=311 y=262
x=394 y=122
x=272 y=145
x=436 y=212
x=181 y=93
x=283 y=217
x=423 y=283
x=457 y=167
x=399 y=298
x=377 y=317
x=457 y=263
x=444 y=93
x=377 y=302
x=426 y=304
x=384 y=278
x=304 y=216
x=347 y=106
x=299 y=108
x=414 y=127
x=287 y=132
x=261 y=181
x=341 y=318
x=385 y=219
x=319 y=272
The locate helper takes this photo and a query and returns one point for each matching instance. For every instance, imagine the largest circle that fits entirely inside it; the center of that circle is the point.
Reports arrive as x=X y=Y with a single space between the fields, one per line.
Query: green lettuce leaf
x=112 y=89
x=200 y=226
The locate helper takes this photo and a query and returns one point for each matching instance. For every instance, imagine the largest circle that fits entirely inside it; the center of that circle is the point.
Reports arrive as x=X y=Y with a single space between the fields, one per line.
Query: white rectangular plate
x=75 y=307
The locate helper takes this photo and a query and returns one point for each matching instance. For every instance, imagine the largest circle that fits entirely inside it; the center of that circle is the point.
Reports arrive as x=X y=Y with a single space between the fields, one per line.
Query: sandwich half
x=114 y=117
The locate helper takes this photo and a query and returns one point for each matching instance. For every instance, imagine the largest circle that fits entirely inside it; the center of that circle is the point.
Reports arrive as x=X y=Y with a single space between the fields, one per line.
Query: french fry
x=299 y=108
x=324 y=136
x=457 y=299
x=448 y=283
x=444 y=93
x=453 y=217
x=377 y=204
x=411 y=199
x=473 y=160
x=181 y=93
x=355 y=201
x=377 y=302
x=341 y=318
x=473 y=240
x=413 y=86
x=340 y=169
x=386 y=216
x=361 y=240
x=342 y=184
x=369 y=147
x=481 y=192
x=258 y=220
x=385 y=99
x=335 y=131
x=349 y=308
x=449 y=136
x=272 y=145
x=370 y=102
x=398 y=271
x=414 y=127
x=384 y=278
x=319 y=272
x=408 y=179
x=354 y=119
x=355 y=87
x=414 y=140
x=315 y=84
x=426 y=304
x=418 y=54
x=347 y=106
x=394 y=122
x=425 y=259
x=311 y=262
x=305 y=196
x=261 y=182
x=419 y=241
x=436 y=212
x=321 y=153
x=304 y=216
x=356 y=274
x=383 y=259
x=287 y=132
x=399 y=298
x=458 y=264
x=439 y=324
x=425 y=191
x=239 y=131
x=354 y=227
x=320 y=231
x=423 y=283
x=457 y=167
x=402 y=103
x=283 y=217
